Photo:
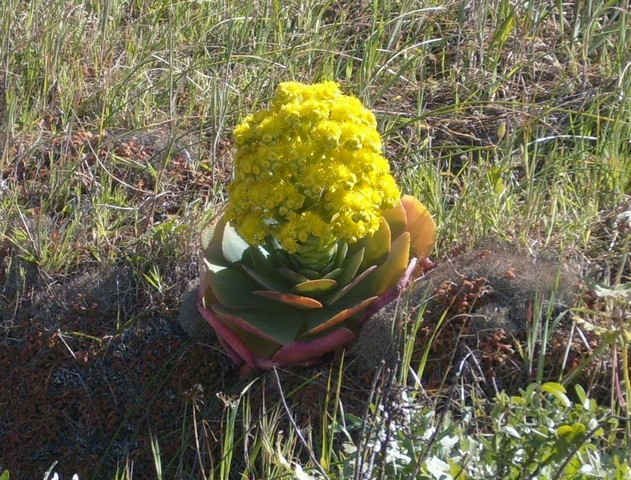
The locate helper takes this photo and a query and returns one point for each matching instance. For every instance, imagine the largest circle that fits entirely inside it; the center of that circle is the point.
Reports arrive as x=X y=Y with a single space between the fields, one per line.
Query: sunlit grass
x=509 y=120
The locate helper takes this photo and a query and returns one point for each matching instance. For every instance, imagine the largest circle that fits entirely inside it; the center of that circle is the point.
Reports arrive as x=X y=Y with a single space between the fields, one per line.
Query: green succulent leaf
x=264 y=279
x=334 y=273
x=283 y=325
x=279 y=257
x=255 y=258
x=207 y=271
x=232 y=288
x=212 y=238
x=386 y=275
x=291 y=275
x=342 y=251
x=351 y=267
x=310 y=274
x=318 y=286
x=312 y=258
x=236 y=323
x=232 y=245
x=391 y=270
x=397 y=219
x=213 y=267
x=261 y=347
x=277 y=320
x=341 y=316
x=421 y=226
x=342 y=313
x=297 y=301
x=335 y=297
x=378 y=244
x=330 y=266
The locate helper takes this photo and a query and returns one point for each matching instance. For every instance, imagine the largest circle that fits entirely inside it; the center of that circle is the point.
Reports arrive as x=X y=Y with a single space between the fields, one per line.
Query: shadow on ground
x=92 y=370
x=89 y=374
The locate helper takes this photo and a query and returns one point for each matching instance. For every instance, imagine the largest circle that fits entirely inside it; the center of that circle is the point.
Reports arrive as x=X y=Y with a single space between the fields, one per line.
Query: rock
x=379 y=338
x=493 y=287
x=189 y=318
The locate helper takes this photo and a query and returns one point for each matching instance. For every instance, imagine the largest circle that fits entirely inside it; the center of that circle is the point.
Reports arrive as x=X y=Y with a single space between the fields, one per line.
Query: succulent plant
x=267 y=308
x=316 y=235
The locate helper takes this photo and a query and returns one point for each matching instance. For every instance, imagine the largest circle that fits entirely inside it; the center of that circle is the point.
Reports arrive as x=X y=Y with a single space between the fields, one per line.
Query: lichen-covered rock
x=189 y=318
x=491 y=288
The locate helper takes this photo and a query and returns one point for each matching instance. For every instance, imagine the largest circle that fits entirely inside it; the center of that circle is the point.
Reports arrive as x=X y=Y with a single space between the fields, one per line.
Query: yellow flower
x=309 y=170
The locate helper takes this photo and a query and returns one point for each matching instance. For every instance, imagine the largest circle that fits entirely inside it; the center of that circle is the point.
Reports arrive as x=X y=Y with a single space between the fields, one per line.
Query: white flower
x=623 y=220
x=428 y=433
x=448 y=442
x=438 y=469
x=395 y=455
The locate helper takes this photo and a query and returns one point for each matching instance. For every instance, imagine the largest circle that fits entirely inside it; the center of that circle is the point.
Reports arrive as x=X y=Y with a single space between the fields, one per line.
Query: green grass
x=509 y=120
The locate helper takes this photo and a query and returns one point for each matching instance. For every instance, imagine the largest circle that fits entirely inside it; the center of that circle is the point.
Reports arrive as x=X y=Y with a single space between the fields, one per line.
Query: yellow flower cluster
x=309 y=168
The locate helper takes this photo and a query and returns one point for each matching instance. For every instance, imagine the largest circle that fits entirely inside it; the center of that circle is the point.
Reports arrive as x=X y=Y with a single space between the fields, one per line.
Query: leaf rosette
x=315 y=237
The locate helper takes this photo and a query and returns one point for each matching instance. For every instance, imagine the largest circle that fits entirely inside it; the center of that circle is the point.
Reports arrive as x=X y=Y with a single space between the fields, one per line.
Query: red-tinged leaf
x=290 y=299
x=234 y=356
x=397 y=219
x=320 y=285
x=300 y=352
x=392 y=293
x=341 y=316
x=421 y=226
x=233 y=319
x=228 y=336
x=257 y=341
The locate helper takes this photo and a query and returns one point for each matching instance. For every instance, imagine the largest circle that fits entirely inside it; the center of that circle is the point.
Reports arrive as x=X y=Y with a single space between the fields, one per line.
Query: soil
x=92 y=371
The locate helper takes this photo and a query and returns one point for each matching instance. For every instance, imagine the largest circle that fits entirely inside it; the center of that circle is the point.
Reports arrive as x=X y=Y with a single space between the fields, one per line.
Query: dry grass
x=510 y=120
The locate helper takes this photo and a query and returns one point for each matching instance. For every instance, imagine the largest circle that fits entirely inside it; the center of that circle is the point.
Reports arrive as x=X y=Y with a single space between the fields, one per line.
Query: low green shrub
x=540 y=434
